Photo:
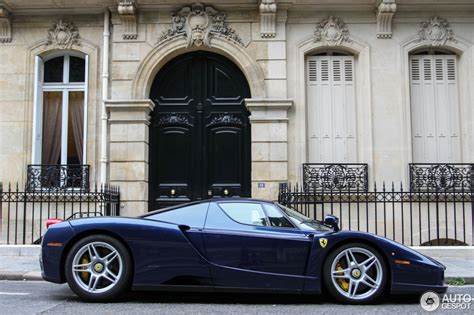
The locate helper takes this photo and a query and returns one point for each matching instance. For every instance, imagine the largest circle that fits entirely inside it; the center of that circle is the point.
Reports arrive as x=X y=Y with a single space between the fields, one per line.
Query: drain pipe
x=105 y=96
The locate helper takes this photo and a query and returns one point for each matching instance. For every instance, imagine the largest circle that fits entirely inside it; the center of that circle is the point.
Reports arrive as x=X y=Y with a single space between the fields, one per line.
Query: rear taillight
x=52 y=221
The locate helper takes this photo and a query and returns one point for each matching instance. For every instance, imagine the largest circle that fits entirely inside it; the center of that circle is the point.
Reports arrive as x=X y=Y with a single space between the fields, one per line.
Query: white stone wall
x=274 y=67
x=17 y=68
x=383 y=93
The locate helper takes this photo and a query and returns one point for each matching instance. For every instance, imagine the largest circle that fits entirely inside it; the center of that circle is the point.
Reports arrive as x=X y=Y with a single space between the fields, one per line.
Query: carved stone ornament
x=385 y=12
x=199 y=23
x=226 y=119
x=173 y=119
x=435 y=32
x=268 y=9
x=64 y=35
x=5 y=26
x=128 y=15
x=331 y=31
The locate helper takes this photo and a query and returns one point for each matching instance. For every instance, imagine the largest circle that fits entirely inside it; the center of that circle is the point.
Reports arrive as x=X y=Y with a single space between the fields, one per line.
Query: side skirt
x=199 y=288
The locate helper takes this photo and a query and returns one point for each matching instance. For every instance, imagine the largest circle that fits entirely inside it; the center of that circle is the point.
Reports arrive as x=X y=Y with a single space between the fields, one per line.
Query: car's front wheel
x=355 y=273
x=98 y=268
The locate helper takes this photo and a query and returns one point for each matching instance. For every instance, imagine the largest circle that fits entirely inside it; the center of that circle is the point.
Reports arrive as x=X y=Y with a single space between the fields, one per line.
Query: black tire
x=340 y=293
x=118 y=286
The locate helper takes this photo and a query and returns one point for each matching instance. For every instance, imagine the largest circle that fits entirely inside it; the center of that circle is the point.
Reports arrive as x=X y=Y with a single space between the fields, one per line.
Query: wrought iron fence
x=453 y=176
x=421 y=217
x=320 y=176
x=24 y=212
x=57 y=177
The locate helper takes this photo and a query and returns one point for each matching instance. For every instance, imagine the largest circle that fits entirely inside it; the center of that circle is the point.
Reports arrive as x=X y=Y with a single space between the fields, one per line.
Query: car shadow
x=246 y=298
x=221 y=298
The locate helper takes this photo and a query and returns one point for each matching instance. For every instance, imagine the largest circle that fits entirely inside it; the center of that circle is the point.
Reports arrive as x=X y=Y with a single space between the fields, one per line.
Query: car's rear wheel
x=355 y=273
x=98 y=268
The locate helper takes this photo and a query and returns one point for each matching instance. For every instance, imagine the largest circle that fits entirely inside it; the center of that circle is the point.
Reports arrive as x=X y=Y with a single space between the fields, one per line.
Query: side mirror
x=332 y=221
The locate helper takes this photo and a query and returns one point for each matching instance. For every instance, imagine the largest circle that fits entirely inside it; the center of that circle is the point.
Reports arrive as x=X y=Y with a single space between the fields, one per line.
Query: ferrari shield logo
x=323 y=242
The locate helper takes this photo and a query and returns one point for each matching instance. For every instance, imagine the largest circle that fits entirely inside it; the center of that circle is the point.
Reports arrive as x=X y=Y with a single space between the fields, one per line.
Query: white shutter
x=435 y=109
x=331 y=109
x=37 y=111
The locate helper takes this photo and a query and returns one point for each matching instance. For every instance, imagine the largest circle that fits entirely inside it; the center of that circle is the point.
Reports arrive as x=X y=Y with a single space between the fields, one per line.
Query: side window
x=245 y=213
x=193 y=215
x=276 y=218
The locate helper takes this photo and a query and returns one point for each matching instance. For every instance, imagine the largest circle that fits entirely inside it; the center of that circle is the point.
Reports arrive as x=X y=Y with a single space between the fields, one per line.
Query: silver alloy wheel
x=97 y=267
x=363 y=275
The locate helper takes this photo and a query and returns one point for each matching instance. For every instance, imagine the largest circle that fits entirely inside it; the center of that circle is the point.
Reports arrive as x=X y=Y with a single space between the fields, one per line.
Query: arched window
x=434 y=106
x=60 y=115
x=331 y=108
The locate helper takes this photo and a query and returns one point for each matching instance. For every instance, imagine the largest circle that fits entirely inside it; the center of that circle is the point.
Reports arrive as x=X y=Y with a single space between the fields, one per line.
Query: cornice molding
x=5 y=25
x=268 y=110
x=129 y=111
x=385 y=12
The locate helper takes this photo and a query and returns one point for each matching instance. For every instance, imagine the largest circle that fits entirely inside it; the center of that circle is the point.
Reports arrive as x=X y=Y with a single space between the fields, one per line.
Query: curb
x=21 y=276
x=20 y=250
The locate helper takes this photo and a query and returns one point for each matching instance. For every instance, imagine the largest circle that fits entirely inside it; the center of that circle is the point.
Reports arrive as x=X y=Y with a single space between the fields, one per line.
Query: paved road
x=33 y=297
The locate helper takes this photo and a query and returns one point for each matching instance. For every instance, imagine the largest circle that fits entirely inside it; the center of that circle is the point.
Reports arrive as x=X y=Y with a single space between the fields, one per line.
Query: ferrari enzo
x=231 y=244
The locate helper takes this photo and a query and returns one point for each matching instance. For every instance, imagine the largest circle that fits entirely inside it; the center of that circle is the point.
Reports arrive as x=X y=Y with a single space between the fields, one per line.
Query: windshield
x=302 y=221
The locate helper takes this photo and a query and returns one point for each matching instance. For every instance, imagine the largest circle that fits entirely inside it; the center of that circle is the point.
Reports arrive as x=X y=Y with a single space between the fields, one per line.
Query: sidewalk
x=20 y=262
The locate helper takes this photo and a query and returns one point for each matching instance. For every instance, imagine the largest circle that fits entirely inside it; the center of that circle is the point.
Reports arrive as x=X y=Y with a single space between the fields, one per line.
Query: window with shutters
x=331 y=109
x=434 y=108
x=60 y=120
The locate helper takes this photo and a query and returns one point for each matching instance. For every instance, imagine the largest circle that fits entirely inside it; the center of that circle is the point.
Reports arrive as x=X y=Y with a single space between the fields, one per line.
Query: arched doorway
x=199 y=131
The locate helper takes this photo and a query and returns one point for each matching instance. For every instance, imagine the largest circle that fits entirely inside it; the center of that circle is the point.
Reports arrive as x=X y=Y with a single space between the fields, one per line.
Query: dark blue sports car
x=231 y=244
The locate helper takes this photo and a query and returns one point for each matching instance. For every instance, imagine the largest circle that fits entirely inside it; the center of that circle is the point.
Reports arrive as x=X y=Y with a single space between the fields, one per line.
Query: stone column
x=269 y=121
x=128 y=151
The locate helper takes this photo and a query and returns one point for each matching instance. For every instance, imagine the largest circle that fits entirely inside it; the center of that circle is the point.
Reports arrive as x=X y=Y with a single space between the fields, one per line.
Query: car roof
x=213 y=199
x=237 y=199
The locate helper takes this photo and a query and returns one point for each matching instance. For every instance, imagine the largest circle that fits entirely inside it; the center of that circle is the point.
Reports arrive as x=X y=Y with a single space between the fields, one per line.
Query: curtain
x=52 y=111
x=76 y=111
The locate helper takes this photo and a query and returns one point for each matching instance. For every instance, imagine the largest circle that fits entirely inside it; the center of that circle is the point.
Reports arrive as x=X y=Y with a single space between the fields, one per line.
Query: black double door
x=199 y=131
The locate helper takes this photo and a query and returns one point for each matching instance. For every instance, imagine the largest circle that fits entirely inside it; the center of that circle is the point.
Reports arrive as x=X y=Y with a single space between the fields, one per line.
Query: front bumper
x=424 y=274
x=405 y=288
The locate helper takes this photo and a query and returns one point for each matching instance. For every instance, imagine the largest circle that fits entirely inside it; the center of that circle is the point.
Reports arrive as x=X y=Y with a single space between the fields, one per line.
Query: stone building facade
x=382 y=82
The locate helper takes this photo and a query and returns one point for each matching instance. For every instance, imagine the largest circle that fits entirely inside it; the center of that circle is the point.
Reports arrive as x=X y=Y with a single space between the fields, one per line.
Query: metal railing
x=452 y=176
x=58 y=177
x=24 y=212
x=343 y=176
x=422 y=217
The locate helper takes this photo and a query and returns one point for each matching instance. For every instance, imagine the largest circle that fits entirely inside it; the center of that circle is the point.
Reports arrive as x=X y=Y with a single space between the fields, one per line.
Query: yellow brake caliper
x=343 y=283
x=84 y=275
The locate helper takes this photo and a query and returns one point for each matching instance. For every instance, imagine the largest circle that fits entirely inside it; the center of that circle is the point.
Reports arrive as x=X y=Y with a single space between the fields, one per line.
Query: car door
x=171 y=261
x=247 y=250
